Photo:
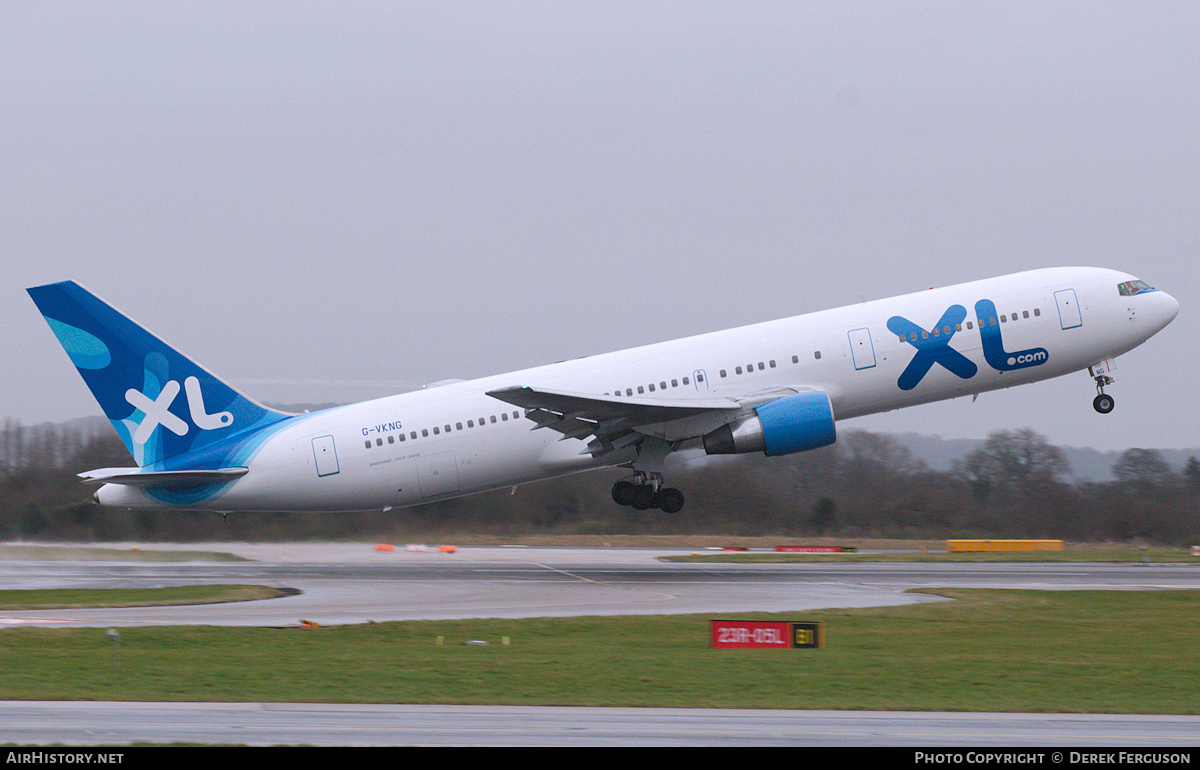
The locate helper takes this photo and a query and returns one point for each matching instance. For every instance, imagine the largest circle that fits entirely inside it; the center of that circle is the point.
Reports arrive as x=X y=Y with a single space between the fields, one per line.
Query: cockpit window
x=1129 y=288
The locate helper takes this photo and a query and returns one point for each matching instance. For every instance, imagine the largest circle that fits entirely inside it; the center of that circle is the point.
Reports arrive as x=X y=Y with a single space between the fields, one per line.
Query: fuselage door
x=325 y=456
x=861 y=348
x=438 y=474
x=1068 y=309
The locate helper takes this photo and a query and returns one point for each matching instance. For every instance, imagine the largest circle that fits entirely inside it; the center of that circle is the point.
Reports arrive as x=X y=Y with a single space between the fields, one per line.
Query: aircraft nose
x=1169 y=307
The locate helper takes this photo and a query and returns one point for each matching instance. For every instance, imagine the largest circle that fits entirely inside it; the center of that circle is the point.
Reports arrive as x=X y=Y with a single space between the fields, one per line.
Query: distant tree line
x=1014 y=485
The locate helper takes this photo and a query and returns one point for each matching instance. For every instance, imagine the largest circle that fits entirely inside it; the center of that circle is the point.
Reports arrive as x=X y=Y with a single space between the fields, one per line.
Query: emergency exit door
x=325 y=456
x=1069 y=314
x=862 y=350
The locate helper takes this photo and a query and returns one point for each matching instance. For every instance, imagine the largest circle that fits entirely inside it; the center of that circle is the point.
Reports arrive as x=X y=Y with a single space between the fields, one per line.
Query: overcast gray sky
x=343 y=200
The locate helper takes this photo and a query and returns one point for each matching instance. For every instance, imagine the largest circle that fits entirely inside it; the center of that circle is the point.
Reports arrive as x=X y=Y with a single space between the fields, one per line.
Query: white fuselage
x=455 y=439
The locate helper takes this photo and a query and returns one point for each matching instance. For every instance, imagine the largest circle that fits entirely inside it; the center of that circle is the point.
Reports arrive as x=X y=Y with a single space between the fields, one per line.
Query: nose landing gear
x=1102 y=403
x=645 y=491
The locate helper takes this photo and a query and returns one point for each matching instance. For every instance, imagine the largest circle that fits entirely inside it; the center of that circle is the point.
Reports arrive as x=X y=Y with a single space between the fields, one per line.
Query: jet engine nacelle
x=780 y=427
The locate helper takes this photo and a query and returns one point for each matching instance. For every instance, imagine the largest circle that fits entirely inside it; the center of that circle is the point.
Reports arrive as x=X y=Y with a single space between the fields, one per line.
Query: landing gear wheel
x=623 y=492
x=643 y=498
x=1103 y=403
x=643 y=491
x=670 y=500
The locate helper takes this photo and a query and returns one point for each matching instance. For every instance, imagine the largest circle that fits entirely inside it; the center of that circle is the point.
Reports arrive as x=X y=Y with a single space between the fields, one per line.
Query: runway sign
x=750 y=634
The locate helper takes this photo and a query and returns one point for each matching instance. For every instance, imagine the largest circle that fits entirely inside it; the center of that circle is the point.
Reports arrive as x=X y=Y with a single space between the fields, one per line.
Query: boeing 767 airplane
x=776 y=387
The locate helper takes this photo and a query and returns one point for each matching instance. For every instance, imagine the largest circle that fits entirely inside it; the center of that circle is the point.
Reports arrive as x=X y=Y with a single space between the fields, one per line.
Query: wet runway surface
x=342 y=583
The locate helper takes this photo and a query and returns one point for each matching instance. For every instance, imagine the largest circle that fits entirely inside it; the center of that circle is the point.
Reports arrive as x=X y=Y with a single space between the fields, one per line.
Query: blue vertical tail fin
x=161 y=403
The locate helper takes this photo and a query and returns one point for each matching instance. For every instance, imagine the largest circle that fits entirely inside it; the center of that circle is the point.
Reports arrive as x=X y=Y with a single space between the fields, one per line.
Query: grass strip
x=991 y=650
x=77 y=598
x=88 y=553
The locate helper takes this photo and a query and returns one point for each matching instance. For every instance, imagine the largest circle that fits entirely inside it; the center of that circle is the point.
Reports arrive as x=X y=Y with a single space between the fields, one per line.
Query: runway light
x=384 y=547
x=114 y=636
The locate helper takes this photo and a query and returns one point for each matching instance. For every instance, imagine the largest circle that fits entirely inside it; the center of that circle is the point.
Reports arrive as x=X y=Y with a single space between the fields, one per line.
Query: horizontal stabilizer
x=169 y=479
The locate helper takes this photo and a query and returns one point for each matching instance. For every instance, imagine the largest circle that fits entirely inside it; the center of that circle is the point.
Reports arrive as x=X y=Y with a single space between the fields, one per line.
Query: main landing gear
x=1102 y=403
x=645 y=491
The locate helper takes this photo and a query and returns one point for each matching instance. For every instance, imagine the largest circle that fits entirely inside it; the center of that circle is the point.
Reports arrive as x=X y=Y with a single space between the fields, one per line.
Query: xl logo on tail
x=158 y=410
x=933 y=346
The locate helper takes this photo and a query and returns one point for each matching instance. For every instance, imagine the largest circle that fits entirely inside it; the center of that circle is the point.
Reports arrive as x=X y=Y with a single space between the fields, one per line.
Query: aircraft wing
x=612 y=421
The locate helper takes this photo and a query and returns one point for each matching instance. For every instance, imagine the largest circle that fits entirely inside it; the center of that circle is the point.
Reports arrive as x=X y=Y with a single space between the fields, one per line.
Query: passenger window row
x=1014 y=316
x=437 y=430
x=686 y=381
x=991 y=321
x=652 y=387
x=751 y=368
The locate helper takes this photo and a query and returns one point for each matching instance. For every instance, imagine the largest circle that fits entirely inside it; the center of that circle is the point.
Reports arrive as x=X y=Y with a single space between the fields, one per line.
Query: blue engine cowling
x=780 y=427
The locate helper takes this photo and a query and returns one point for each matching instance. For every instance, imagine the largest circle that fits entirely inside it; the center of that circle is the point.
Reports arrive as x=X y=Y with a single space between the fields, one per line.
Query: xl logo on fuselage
x=993 y=346
x=933 y=346
x=158 y=410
